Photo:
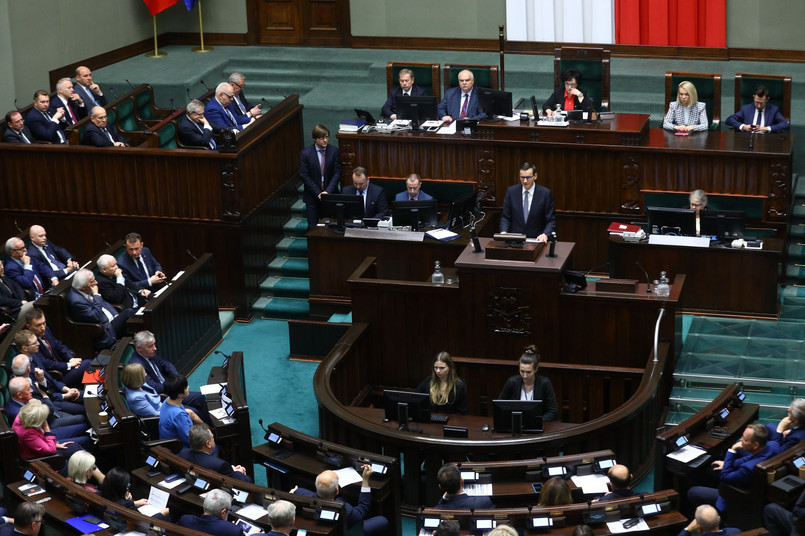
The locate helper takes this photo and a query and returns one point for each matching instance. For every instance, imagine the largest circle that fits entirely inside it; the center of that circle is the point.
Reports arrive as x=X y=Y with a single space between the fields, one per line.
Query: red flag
x=155 y=6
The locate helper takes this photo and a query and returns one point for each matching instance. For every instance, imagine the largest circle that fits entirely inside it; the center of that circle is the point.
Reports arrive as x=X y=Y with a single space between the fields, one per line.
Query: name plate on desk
x=499 y=251
x=687 y=241
x=377 y=234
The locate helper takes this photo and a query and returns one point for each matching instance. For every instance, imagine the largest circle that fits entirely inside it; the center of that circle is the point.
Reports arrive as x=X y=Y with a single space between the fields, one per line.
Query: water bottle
x=438 y=276
x=557 y=117
x=663 y=288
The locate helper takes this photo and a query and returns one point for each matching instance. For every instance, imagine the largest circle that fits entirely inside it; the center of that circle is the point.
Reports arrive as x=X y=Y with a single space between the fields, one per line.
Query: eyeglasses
x=230 y=96
x=570 y=84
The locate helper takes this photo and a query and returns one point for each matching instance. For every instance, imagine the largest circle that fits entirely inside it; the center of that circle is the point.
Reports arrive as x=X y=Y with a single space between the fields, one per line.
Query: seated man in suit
x=12 y=296
x=64 y=398
x=217 y=503
x=89 y=91
x=759 y=116
x=327 y=488
x=52 y=353
x=194 y=129
x=43 y=126
x=737 y=467
x=67 y=98
x=528 y=207
x=17 y=132
x=707 y=522
x=240 y=105
x=375 y=204
x=320 y=171
x=413 y=191
x=791 y=429
x=98 y=133
x=452 y=485
x=220 y=112
x=200 y=452
x=407 y=87
x=620 y=480
x=139 y=266
x=281 y=517
x=29 y=273
x=63 y=425
x=462 y=101
x=115 y=288
x=85 y=304
x=59 y=259
x=781 y=522
x=158 y=370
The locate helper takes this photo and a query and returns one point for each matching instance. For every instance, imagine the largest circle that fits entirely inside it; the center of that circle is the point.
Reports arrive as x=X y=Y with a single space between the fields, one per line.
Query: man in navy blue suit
x=16 y=131
x=406 y=88
x=375 y=204
x=85 y=304
x=759 y=116
x=200 y=452
x=462 y=101
x=43 y=126
x=194 y=129
x=138 y=264
x=53 y=353
x=220 y=112
x=413 y=191
x=791 y=429
x=67 y=98
x=89 y=91
x=63 y=425
x=528 y=207
x=452 y=485
x=707 y=522
x=29 y=273
x=281 y=517
x=239 y=103
x=98 y=133
x=327 y=488
x=216 y=509
x=12 y=296
x=320 y=171
x=59 y=259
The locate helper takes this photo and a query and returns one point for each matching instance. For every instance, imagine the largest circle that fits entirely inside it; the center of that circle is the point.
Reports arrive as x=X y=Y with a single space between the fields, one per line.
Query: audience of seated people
x=67 y=399
x=217 y=504
x=116 y=288
x=53 y=354
x=85 y=304
x=34 y=438
x=30 y=274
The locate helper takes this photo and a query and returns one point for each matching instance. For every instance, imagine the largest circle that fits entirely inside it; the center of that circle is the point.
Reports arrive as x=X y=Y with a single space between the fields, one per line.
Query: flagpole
x=201 y=33
x=156 y=53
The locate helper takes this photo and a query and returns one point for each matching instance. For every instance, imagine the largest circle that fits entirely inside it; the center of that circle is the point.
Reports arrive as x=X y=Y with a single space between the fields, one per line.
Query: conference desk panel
x=593 y=179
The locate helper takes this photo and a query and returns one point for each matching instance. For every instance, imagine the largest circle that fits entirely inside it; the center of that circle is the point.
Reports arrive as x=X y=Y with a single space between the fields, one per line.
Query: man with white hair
x=85 y=304
x=791 y=429
x=239 y=102
x=220 y=112
x=281 y=516
x=194 y=128
x=115 y=288
x=99 y=133
x=28 y=273
x=59 y=259
x=214 y=521
x=70 y=100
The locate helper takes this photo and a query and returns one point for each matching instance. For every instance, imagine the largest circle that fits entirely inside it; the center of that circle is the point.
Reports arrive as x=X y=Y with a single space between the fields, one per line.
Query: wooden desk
x=718 y=280
x=595 y=172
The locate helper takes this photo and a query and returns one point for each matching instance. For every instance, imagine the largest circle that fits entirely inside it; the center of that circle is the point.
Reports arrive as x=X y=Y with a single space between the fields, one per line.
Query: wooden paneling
x=304 y=22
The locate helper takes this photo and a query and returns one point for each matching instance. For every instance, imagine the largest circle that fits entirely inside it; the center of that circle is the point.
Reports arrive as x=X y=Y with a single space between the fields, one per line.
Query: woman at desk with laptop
x=527 y=385
x=448 y=392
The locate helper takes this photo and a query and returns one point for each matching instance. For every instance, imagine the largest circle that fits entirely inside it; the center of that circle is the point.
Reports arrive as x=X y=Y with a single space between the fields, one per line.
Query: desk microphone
x=591 y=270
x=187 y=90
x=129 y=83
x=171 y=101
x=648 y=281
x=17 y=107
x=475 y=242
x=188 y=252
x=219 y=352
x=519 y=102
x=552 y=241
x=752 y=139
x=281 y=93
x=266 y=102
x=205 y=85
x=112 y=91
x=17 y=225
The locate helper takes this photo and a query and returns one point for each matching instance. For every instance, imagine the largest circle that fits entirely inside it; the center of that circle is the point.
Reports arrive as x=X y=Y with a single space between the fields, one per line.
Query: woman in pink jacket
x=34 y=436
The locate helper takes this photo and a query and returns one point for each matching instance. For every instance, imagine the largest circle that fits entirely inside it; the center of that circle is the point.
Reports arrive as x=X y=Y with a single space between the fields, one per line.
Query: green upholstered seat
x=426 y=76
x=779 y=87
x=708 y=88
x=125 y=116
x=167 y=136
x=143 y=101
x=485 y=75
x=593 y=64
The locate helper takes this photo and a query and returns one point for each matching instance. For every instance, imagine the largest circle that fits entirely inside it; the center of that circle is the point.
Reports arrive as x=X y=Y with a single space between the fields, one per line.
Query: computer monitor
x=494 y=102
x=417 y=109
x=342 y=207
x=462 y=211
x=671 y=221
x=509 y=415
x=414 y=214
x=415 y=406
x=723 y=224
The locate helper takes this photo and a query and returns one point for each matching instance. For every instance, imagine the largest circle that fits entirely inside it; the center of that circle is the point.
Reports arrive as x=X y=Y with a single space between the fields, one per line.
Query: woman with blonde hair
x=448 y=392
x=34 y=436
x=81 y=468
x=686 y=114
x=143 y=400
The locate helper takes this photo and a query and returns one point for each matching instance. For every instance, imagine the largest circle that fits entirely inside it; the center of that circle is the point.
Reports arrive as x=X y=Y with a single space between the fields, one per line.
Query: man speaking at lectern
x=528 y=207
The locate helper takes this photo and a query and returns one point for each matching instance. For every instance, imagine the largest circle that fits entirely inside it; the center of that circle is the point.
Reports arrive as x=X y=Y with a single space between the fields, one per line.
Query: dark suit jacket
x=43 y=128
x=134 y=273
x=462 y=500
x=403 y=196
x=218 y=118
x=56 y=360
x=541 y=217
x=118 y=294
x=617 y=494
x=243 y=100
x=61 y=254
x=738 y=468
x=82 y=310
x=558 y=97
x=376 y=205
x=194 y=134
x=11 y=295
x=210 y=525
x=771 y=117
x=165 y=367
x=213 y=463
x=25 y=278
x=785 y=442
x=391 y=103
x=456 y=401
x=355 y=514
x=543 y=390
x=726 y=531
x=451 y=104
x=84 y=93
x=94 y=136
x=80 y=112
x=310 y=171
x=12 y=136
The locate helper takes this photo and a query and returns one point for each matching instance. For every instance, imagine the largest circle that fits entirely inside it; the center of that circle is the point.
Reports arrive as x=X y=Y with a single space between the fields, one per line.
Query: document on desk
x=379 y=234
x=443 y=235
x=686 y=454
x=252 y=512
x=211 y=388
x=157 y=500
x=478 y=489
x=448 y=129
x=91 y=390
x=347 y=476
x=591 y=484
x=616 y=527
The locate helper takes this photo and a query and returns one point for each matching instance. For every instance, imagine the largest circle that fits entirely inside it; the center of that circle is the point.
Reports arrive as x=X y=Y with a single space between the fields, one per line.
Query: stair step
x=286 y=287
x=298 y=208
x=295 y=226
x=792 y=312
x=226 y=318
x=338 y=317
x=289 y=267
x=285 y=308
x=292 y=247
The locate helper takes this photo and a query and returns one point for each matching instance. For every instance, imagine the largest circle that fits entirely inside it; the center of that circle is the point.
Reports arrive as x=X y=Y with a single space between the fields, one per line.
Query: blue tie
x=526 y=205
